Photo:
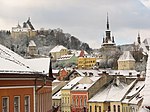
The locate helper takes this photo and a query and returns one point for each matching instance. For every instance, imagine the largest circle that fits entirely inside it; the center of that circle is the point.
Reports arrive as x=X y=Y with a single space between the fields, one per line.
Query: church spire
x=107 y=22
x=139 y=39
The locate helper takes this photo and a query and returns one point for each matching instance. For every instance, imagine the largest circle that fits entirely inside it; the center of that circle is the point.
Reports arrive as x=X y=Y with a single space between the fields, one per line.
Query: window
x=81 y=102
x=95 y=108
x=114 y=108
x=68 y=100
x=118 y=108
x=90 y=108
x=108 y=108
x=26 y=104
x=77 y=102
x=5 y=104
x=16 y=104
x=84 y=102
x=99 y=108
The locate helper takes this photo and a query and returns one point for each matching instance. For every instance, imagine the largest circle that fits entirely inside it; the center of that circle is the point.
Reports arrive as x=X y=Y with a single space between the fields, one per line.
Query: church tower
x=108 y=40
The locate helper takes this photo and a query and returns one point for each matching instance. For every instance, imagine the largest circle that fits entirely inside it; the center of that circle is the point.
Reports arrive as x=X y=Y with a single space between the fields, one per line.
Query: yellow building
x=58 y=51
x=86 y=62
x=118 y=97
x=126 y=61
x=65 y=95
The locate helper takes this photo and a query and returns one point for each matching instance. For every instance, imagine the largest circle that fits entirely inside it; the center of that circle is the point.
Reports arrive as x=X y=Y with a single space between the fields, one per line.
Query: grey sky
x=85 y=19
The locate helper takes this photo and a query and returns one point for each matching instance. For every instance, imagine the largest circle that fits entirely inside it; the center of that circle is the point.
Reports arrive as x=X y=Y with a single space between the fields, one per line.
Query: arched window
x=80 y=101
x=76 y=101
x=85 y=102
x=118 y=108
x=114 y=108
x=95 y=108
x=99 y=108
x=90 y=108
x=68 y=99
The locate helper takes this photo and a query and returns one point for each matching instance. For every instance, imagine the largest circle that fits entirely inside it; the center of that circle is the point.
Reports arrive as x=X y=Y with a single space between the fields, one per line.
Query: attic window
x=77 y=87
x=84 y=87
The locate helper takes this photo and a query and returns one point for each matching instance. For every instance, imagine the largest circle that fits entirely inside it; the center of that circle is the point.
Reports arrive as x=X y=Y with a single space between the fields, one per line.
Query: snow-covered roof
x=147 y=42
x=58 y=48
x=126 y=56
x=39 y=64
x=85 y=83
x=87 y=72
x=10 y=62
x=122 y=72
x=57 y=95
x=72 y=83
x=77 y=52
x=65 y=57
x=134 y=96
x=32 y=43
x=111 y=92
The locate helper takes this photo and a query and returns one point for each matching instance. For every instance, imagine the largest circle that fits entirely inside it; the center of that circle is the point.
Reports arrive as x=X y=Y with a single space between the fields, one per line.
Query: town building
x=58 y=51
x=86 y=62
x=126 y=61
x=27 y=30
x=56 y=94
x=67 y=60
x=85 y=89
x=66 y=94
x=32 y=49
x=24 y=88
x=82 y=73
x=118 y=96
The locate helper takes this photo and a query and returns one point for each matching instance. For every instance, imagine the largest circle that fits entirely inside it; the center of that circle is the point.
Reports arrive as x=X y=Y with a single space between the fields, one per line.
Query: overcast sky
x=84 y=19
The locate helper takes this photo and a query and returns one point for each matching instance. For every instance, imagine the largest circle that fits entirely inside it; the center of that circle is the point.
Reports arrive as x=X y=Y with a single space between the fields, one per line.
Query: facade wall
x=65 y=101
x=116 y=106
x=96 y=107
x=32 y=50
x=79 y=101
x=21 y=92
x=44 y=99
x=126 y=65
x=17 y=34
x=57 y=55
x=38 y=93
x=86 y=63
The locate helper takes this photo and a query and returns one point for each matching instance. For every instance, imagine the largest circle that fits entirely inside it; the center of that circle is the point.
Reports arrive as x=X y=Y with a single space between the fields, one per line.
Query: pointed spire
x=107 y=22
x=139 y=39
x=50 y=67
